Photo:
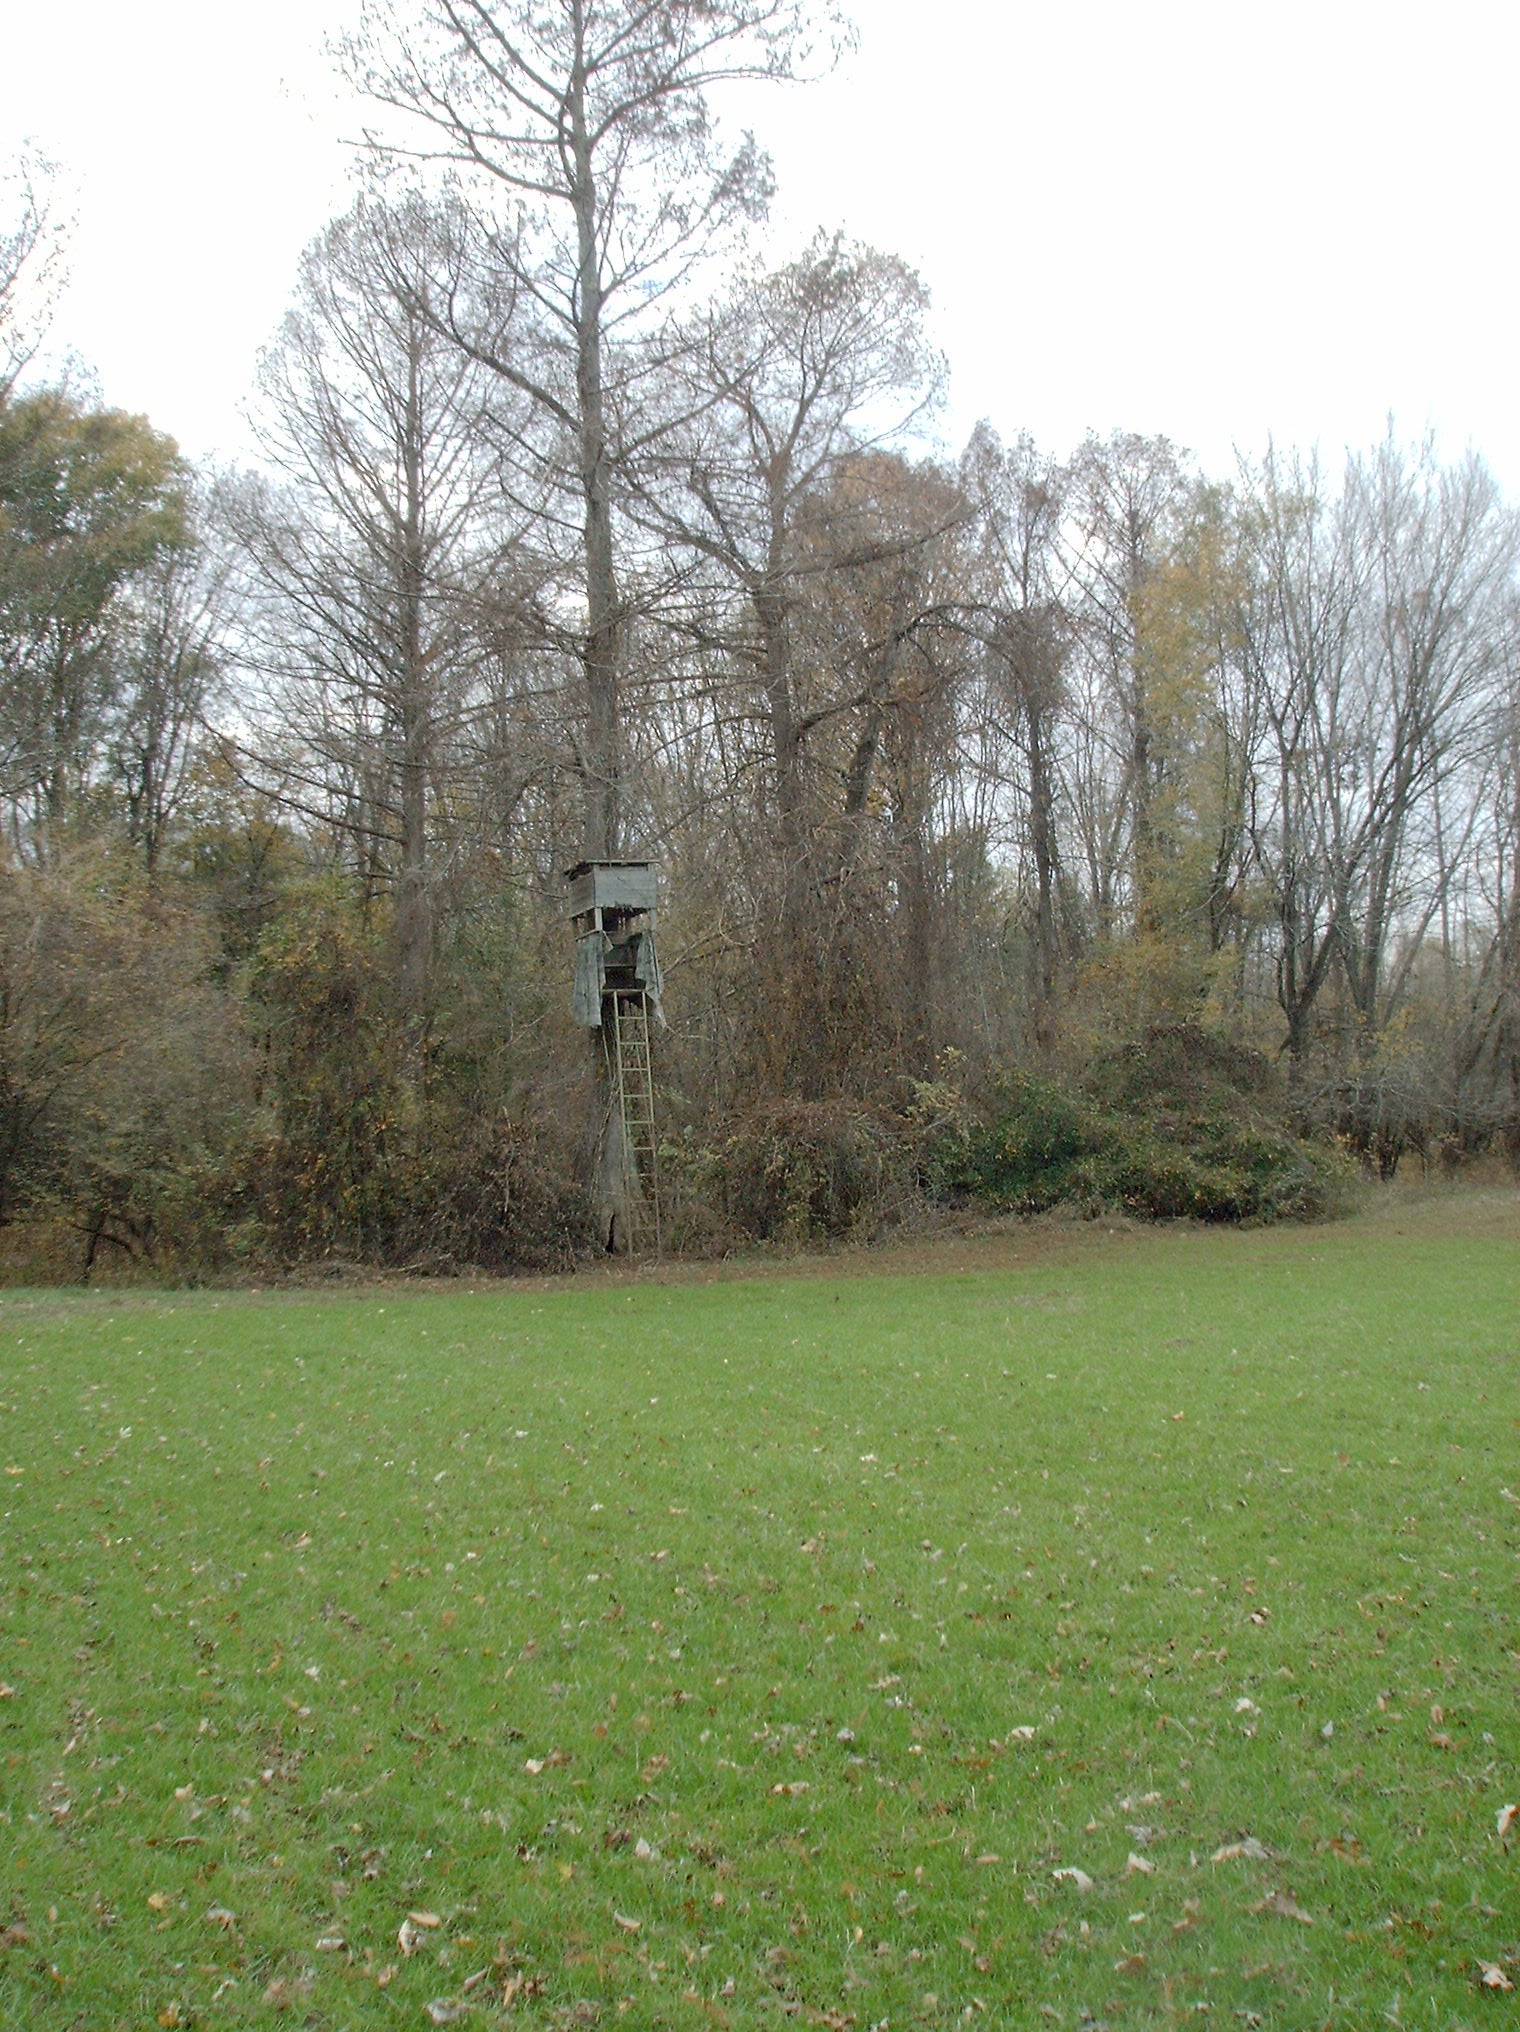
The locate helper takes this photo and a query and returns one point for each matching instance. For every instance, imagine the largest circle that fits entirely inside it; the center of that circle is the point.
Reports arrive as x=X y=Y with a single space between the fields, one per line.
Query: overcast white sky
x=1197 y=217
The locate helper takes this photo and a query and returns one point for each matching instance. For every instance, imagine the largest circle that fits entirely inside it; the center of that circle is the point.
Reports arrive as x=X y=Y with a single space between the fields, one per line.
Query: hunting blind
x=617 y=988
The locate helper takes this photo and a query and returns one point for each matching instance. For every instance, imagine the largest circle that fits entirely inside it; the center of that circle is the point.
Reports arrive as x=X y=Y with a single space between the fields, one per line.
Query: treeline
x=1019 y=818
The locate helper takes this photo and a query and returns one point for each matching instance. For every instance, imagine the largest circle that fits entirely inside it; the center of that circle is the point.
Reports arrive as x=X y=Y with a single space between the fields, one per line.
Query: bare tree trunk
x=1042 y=841
x=1509 y=963
x=601 y=759
x=414 y=925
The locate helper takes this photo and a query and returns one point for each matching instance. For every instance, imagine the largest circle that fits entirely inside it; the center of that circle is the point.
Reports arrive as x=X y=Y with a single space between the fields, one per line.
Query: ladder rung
x=633 y=1074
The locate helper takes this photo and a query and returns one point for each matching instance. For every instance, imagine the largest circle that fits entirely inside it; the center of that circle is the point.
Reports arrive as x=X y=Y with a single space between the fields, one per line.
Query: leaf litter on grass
x=1089 y=1581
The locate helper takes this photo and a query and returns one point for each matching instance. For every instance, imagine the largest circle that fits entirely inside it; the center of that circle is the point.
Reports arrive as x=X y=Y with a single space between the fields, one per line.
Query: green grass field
x=1068 y=1627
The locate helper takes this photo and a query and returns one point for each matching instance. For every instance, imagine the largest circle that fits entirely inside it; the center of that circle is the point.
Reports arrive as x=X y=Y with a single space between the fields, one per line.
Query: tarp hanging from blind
x=591 y=952
x=646 y=971
x=590 y=977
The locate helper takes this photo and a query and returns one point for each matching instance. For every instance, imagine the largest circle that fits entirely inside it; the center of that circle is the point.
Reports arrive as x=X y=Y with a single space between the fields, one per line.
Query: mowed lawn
x=1077 y=1626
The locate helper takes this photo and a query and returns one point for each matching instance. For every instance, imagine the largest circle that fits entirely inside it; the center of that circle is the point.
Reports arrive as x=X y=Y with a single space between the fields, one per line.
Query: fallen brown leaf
x=1282 y=1906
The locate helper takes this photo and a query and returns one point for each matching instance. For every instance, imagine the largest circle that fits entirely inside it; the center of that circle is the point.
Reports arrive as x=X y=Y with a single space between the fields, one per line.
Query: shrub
x=1035 y=1150
x=1174 y=1124
x=500 y=1196
x=806 y=1171
x=1181 y=1065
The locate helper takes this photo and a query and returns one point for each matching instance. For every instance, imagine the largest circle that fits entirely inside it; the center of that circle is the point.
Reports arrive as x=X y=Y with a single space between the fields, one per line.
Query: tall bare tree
x=170 y=672
x=382 y=549
x=1372 y=624
x=33 y=240
x=788 y=384
x=1296 y=631
x=1026 y=625
x=1441 y=551
x=582 y=133
x=1128 y=497
x=808 y=582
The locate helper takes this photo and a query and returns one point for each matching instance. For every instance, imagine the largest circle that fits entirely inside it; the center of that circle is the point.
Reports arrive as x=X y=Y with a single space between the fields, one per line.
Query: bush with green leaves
x=1175 y=1124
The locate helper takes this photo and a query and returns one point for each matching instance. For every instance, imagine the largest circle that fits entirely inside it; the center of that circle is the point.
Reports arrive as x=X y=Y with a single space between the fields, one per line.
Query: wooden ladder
x=633 y=1096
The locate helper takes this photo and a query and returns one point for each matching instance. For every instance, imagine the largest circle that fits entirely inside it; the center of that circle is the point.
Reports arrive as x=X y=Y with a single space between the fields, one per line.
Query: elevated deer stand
x=617 y=990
